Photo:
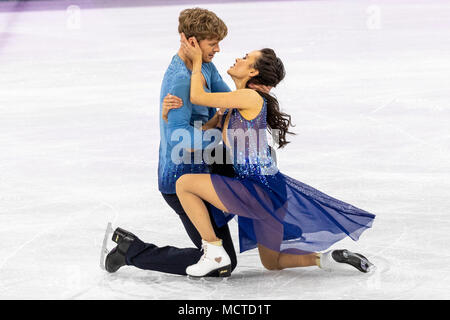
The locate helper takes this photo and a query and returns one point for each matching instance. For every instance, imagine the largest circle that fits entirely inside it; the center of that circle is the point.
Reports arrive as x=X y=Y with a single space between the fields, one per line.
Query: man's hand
x=191 y=48
x=170 y=102
x=260 y=87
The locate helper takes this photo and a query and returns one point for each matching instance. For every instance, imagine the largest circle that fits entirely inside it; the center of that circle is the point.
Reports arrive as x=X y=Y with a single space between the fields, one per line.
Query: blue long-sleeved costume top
x=177 y=81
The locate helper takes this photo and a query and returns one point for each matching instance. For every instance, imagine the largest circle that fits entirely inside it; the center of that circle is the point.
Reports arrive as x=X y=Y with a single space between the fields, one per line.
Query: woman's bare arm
x=240 y=99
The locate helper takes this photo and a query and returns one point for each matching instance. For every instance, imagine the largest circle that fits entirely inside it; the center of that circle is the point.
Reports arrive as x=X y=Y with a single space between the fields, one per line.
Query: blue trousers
x=174 y=260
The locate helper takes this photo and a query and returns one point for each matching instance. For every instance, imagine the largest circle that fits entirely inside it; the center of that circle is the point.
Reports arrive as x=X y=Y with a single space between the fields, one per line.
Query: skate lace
x=204 y=248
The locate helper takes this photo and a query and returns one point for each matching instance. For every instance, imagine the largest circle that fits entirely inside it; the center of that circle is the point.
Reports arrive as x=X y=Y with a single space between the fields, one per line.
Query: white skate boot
x=215 y=262
x=345 y=260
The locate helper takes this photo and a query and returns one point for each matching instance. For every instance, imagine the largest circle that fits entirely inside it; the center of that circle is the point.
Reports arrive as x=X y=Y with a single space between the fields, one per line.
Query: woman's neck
x=240 y=83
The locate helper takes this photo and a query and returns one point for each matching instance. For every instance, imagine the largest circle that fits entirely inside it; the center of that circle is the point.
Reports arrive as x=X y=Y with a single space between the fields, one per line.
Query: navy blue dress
x=275 y=210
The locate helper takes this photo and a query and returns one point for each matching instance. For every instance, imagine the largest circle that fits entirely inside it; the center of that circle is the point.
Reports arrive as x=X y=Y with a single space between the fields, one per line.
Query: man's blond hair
x=201 y=24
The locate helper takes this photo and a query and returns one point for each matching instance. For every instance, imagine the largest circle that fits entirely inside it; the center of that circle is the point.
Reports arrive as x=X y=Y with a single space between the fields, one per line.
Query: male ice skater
x=209 y=30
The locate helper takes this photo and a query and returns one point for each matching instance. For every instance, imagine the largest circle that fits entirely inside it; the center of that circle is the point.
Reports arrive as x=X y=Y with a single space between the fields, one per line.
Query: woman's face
x=243 y=67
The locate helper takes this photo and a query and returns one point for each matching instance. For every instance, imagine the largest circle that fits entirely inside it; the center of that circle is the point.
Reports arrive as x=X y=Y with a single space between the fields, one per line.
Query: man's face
x=209 y=48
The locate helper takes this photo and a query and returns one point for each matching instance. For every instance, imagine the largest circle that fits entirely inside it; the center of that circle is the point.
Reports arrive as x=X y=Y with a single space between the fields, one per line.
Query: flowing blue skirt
x=286 y=215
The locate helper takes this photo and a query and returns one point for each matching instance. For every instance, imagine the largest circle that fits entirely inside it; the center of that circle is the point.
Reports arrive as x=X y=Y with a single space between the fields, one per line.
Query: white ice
x=367 y=86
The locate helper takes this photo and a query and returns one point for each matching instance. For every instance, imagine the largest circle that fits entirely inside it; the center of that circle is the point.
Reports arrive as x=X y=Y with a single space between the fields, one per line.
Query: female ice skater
x=288 y=221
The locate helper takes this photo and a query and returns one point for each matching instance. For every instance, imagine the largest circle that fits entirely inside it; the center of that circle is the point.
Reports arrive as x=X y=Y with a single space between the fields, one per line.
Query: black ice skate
x=115 y=259
x=342 y=259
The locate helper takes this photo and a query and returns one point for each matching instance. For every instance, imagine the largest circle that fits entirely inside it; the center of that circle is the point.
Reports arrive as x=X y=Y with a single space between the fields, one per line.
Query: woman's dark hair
x=271 y=72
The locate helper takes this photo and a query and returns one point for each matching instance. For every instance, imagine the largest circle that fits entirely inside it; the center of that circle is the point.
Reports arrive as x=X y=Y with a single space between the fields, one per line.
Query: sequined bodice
x=247 y=141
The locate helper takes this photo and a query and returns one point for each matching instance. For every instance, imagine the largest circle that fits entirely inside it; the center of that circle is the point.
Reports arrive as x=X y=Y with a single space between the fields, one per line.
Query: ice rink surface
x=367 y=86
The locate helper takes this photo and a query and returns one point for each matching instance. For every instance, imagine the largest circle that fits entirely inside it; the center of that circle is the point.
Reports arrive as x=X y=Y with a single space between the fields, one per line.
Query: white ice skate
x=215 y=262
x=345 y=260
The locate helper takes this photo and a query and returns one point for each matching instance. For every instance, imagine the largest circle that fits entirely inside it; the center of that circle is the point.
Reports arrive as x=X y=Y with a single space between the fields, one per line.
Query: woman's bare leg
x=192 y=189
x=273 y=260
x=271 y=232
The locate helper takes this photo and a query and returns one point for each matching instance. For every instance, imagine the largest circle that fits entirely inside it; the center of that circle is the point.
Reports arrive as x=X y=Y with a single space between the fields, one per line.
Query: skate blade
x=223 y=272
x=104 y=252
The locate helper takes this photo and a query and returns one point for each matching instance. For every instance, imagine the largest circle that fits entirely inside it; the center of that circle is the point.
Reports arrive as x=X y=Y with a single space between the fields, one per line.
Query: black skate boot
x=116 y=258
x=342 y=259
